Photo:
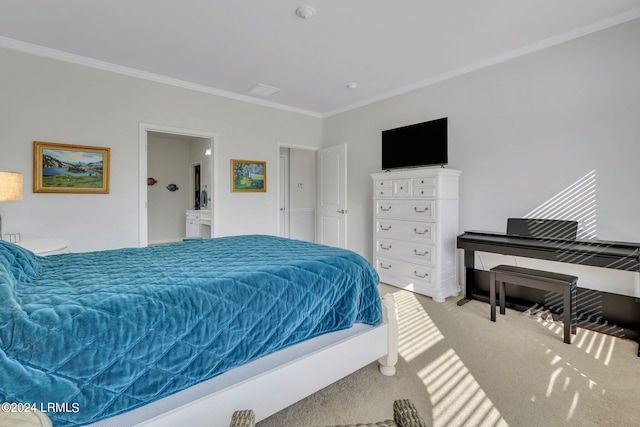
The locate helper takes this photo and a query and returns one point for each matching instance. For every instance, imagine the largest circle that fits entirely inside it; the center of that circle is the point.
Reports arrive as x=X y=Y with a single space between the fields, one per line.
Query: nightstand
x=45 y=246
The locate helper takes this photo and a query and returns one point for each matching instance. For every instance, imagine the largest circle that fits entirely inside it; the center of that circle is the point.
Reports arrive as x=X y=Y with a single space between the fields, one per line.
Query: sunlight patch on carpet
x=567 y=381
x=456 y=396
x=596 y=344
x=418 y=332
x=600 y=345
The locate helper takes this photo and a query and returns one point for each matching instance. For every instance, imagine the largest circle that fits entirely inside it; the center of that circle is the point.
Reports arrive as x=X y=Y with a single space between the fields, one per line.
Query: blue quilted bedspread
x=100 y=333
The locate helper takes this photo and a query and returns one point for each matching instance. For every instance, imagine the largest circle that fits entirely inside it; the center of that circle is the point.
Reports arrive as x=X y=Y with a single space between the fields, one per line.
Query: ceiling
x=226 y=47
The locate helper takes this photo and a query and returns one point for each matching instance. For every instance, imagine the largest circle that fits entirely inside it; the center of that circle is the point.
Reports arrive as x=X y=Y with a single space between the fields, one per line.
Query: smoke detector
x=305 y=12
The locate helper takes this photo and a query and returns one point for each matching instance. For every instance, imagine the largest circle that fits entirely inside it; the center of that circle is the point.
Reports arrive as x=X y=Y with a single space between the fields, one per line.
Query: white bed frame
x=273 y=382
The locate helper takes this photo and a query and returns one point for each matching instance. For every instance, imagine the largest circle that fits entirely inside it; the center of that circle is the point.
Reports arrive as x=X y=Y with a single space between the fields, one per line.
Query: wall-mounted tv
x=421 y=144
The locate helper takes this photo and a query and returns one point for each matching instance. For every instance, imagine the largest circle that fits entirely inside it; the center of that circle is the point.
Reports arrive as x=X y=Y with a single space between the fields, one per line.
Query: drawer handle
x=383 y=209
x=423 y=276
x=385 y=267
x=421 y=211
x=426 y=231
x=425 y=253
x=385 y=229
x=385 y=248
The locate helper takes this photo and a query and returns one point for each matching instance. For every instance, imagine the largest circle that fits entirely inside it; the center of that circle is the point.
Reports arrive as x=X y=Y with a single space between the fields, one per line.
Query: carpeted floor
x=461 y=369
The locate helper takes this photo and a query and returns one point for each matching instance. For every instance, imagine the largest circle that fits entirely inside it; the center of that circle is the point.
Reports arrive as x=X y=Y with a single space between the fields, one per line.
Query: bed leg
x=390 y=317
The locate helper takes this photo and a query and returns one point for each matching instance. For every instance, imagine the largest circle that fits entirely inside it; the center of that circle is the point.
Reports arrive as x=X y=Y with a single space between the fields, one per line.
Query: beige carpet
x=460 y=369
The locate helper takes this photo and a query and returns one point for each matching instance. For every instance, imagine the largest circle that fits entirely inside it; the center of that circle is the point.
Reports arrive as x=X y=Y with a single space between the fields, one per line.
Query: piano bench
x=537 y=279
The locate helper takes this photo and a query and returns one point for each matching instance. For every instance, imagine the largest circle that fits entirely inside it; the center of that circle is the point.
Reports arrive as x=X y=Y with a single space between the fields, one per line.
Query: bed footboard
x=296 y=372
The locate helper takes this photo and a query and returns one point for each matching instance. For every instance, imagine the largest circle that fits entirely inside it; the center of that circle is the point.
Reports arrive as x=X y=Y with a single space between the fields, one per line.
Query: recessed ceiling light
x=305 y=12
x=353 y=85
x=263 y=90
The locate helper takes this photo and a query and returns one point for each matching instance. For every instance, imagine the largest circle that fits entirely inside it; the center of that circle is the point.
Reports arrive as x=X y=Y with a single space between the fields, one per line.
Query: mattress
x=87 y=336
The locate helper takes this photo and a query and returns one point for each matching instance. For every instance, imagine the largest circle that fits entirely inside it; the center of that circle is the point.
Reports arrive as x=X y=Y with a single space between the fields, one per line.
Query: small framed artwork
x=248 y=176
x=64 y=168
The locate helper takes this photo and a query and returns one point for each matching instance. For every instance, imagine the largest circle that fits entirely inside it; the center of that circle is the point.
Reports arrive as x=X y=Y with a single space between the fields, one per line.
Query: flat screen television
x=421 y=144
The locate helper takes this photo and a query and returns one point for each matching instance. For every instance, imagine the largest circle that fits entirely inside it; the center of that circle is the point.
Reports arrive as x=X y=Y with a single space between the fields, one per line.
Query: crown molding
x=552 y=41
x=59 y=55
x=34 y=49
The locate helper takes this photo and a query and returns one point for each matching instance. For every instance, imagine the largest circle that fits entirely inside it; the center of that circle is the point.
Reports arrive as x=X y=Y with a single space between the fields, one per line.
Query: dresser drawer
x=385 y=183
x=424 y=191
x=424 y=182
x=406 y=209
x=415 y=252
x=401 y=187
x=383 y=192
x=413 y=272
x=415 y=231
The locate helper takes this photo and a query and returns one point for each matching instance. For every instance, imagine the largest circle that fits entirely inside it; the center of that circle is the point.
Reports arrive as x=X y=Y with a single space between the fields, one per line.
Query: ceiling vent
x=263 y=90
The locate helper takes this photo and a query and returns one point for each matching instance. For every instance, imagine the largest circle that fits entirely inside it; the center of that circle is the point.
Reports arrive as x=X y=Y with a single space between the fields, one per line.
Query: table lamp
x=10 y=189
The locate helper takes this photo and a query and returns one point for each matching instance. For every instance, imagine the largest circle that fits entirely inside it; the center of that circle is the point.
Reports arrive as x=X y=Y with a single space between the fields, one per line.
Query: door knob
x=342 y=211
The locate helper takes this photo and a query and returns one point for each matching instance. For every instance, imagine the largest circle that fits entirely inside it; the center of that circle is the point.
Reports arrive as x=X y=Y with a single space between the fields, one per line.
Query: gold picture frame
x=66 y=168
x=248 y=176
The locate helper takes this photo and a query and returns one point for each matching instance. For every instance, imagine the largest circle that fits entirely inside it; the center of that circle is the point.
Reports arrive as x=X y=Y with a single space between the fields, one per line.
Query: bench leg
x=574 y=309
x=492 y=294
x=503 y=295
x=567 y=313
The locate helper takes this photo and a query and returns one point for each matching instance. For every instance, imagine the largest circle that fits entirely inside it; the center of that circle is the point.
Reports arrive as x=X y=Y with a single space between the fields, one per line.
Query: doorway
x=297 y=192
x=206 y=141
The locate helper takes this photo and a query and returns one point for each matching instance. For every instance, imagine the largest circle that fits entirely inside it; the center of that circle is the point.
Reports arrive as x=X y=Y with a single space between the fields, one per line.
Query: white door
x=332 y=196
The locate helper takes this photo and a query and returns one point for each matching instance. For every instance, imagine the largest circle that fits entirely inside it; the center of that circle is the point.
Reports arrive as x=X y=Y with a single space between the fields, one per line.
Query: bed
x=186 y=332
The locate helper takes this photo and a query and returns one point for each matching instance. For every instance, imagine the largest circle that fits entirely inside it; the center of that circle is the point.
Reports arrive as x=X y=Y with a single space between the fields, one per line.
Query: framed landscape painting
x=248 y=176
x=64 y=168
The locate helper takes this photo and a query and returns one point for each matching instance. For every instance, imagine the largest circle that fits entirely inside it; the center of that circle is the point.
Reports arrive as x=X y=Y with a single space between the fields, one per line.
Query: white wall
x=520 y=131
x=48 y=100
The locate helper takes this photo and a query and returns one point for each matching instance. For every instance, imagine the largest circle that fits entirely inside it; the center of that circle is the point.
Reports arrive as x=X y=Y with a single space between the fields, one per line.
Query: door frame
x=192 y=177
x=143 y=130
x=280 y=145
x=283 y=195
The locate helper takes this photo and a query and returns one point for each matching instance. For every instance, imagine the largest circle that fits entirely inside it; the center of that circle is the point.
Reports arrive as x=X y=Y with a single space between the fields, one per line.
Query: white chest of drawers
x=415 y=229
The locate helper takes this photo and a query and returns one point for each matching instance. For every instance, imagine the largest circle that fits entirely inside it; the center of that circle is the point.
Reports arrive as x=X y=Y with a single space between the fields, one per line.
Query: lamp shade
x=10 y=186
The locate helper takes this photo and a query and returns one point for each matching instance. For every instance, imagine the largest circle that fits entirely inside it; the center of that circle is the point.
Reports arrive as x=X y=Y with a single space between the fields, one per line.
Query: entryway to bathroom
x=178 y=185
